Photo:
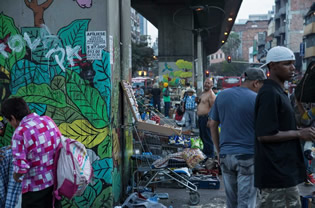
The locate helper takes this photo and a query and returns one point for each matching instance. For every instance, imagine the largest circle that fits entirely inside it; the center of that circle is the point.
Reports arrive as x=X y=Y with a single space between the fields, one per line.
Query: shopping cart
x=147 y=173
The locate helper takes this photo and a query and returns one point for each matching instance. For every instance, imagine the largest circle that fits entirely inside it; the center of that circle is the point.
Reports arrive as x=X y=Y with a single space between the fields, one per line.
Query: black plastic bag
x=305 y=90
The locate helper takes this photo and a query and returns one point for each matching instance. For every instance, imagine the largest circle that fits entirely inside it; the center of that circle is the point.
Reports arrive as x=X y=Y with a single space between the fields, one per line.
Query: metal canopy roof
x=210 y=17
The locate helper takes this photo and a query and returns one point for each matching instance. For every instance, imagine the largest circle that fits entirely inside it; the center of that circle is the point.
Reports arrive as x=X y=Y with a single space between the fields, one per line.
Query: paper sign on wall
x=95 y=43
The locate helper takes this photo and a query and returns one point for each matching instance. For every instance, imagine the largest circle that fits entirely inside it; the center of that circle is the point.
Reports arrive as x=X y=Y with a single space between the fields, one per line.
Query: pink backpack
x=72 y=169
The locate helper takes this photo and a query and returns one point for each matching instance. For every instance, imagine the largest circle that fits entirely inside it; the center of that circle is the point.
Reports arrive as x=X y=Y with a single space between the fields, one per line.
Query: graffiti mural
x=84 y=3
x=38 y=10
x=51 y=73
x=177 y=73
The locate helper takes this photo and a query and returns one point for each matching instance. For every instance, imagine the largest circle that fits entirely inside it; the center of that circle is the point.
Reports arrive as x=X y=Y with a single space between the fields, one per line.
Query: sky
x=247 y=7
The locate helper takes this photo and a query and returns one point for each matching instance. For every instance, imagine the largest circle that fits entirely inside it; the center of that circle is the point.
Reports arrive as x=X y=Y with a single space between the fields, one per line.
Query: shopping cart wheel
x=194 y=198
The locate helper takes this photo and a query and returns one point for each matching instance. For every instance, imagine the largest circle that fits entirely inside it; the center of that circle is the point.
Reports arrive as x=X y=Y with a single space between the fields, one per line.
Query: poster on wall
x=95 y=43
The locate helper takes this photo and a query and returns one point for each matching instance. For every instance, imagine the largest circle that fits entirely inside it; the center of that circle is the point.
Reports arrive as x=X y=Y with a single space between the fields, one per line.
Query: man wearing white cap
x=279 y=165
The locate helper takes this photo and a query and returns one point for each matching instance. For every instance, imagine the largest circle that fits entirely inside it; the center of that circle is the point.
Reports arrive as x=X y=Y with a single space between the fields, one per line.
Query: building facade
x=217 y=57
x=135 y=26
x=247 y=33
x=289 y=25
x=309 y=37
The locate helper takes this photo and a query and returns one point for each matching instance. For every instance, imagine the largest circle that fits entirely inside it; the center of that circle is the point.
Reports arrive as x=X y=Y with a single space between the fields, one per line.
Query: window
x=220 y=55
x=309 y=19
x=211 y=57
x=310 y=41
x=216 y=56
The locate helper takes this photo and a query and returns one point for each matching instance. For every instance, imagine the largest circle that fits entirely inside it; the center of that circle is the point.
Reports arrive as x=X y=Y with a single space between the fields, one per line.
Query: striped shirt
x=34 y=143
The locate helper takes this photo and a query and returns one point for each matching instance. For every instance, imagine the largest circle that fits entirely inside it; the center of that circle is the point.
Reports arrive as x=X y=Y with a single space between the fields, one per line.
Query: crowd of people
x=258 y=148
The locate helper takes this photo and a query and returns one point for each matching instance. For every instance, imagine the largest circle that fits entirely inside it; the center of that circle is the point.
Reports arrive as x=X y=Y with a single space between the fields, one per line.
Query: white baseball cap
x=279 y=53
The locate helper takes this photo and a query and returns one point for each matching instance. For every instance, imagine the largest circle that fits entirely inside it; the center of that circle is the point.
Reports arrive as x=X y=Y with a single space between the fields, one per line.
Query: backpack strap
x=56 y=158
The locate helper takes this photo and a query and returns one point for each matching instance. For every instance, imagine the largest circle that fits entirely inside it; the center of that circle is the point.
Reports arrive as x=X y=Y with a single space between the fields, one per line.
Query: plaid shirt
x=33 y=146
x=190 y=103
x=9 y=189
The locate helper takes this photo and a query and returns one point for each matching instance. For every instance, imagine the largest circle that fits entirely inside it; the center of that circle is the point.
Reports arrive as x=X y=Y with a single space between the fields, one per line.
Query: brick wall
x=249 y=30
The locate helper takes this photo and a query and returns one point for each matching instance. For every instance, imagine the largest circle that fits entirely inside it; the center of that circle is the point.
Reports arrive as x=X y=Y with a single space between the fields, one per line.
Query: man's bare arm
x=211 y=98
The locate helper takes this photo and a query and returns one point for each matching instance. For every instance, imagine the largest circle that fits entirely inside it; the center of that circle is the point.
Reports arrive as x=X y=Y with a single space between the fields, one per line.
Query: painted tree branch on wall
x=38 y=10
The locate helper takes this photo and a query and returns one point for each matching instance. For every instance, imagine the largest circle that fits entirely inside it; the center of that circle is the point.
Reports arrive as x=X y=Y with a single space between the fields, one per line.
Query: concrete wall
x=55 y=77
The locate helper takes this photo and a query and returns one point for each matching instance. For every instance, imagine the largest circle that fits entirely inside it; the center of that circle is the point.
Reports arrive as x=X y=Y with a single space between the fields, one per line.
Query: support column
x=175 y=39
x=199 y=65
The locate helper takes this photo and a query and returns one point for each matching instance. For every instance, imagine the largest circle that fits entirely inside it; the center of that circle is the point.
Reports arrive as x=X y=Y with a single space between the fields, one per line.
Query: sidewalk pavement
x=209 y=198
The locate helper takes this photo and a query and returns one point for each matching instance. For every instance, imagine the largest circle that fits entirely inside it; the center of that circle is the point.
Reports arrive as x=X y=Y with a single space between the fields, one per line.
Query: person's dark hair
x=187 y=84
x=16 y=107
x=138 y=86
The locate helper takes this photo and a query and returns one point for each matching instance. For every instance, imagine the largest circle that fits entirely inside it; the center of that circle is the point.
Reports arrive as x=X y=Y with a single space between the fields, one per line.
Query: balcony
x=309 y=52
x=281 y=11
x=281 y=29
x=309 y=29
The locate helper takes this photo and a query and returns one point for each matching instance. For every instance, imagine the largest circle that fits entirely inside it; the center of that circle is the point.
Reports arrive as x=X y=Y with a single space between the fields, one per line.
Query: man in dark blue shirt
x=234 y=110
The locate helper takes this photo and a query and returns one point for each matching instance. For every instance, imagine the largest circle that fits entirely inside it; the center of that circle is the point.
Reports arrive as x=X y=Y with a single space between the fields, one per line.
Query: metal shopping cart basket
x=149 y=149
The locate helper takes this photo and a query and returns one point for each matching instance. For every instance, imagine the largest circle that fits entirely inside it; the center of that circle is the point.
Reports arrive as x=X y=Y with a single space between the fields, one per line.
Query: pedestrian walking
x=156 y=94
x=189 y=105
x=139 y=91
x=34 y=143
x=166 y=99
x=279 y=164
x=205 y=101
x=234 y=110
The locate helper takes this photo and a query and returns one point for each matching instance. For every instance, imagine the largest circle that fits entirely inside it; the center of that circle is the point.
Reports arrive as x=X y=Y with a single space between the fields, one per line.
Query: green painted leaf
x=47 y=42
x=58 y=83
x=25 y=72
x=104 y=149
x=74 y=34
x=102 y=78
x=87 y=99
x=103 y=169
x=84 y=132
x=67 y=203
x=117 y=186
x=42 y=94
x=90 y=194
x=7 y=27
x=104 y=200
x=6 y=139
x=63 y=115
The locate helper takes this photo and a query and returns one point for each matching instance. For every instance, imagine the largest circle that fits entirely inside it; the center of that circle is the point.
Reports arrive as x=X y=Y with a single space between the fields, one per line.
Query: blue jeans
x=190 y=119
x=205 y=136
x=238 y=177
x=167 y=106
x=157 y=104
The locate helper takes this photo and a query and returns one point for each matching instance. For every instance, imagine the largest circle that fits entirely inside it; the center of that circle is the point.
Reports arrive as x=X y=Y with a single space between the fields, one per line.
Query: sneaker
x=310 y=179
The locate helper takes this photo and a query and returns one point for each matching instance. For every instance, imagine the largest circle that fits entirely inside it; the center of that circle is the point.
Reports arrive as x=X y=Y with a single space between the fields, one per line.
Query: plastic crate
x=205 y=181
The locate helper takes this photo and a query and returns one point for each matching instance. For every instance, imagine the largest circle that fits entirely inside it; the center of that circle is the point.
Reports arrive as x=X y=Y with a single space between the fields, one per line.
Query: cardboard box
x=162 y=130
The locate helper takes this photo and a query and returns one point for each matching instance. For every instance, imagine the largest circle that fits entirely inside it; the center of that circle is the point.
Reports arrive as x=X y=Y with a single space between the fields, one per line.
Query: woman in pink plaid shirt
x=34 y=143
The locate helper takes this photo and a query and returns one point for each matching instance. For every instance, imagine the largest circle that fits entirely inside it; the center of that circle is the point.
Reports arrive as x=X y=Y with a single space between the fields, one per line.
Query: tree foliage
x=231 y=46
x=142 y=57
x=228 y=69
